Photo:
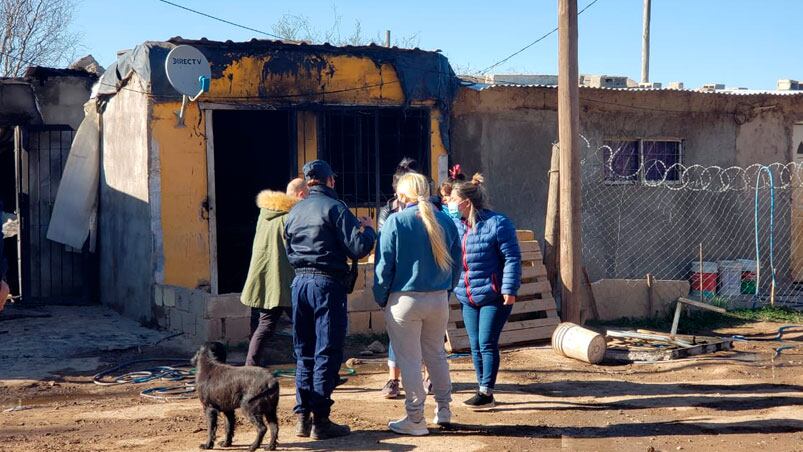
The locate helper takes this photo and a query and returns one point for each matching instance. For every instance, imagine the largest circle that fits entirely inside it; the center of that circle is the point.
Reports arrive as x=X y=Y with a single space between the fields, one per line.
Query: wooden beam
x=568 y=136
x=697 y=304
x=552 y=224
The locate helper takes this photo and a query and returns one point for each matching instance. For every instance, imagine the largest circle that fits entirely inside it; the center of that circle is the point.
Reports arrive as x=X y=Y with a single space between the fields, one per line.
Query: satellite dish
x=188 y=70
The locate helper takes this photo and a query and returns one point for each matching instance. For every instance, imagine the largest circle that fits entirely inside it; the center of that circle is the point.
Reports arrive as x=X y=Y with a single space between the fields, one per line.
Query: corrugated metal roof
x=729 y=92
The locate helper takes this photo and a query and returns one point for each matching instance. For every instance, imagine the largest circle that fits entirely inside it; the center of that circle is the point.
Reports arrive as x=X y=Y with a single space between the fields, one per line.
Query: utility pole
x=387 y=38
x=571 y=272
x=645 y=45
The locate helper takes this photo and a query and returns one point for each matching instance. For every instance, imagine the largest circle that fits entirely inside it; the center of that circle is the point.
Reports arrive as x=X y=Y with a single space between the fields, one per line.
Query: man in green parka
x=267 y=288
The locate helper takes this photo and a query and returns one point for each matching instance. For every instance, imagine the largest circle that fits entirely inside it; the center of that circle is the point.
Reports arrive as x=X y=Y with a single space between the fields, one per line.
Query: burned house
x=175 y=199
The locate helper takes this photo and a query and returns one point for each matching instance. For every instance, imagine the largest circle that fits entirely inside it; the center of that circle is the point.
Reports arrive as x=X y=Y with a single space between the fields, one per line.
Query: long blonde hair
x=414 y=187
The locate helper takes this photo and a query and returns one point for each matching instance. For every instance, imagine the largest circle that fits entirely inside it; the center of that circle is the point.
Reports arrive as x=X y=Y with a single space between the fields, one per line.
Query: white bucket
x=748 y=265
x=576 y=342
x=730 y=278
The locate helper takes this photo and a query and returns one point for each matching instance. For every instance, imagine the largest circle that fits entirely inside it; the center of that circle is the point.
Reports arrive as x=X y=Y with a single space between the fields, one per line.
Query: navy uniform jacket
x=322 y=233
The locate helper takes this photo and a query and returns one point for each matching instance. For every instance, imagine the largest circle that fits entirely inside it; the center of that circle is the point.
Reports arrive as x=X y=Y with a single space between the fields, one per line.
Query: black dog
x=224 y=388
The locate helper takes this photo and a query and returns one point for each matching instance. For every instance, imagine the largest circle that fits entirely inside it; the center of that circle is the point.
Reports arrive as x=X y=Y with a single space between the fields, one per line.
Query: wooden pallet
x=534 y=316
x=624 y=351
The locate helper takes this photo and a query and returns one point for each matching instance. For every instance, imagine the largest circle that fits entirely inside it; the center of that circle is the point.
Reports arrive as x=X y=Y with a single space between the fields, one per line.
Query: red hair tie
x=454 y=172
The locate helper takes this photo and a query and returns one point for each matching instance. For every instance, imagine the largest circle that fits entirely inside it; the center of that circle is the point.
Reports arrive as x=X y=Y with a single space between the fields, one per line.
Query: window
x=648 y=161
x=364 y=146
x=661 y=159
x=621 y=160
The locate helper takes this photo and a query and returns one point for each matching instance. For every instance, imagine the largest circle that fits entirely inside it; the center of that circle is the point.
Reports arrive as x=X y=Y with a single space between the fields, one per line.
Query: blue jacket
x=404 y=260
x=322 y=233
x=491 y=260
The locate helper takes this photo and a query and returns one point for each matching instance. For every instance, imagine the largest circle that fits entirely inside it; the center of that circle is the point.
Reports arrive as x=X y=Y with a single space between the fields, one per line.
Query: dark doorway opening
x=364 y=146
x=253 y=151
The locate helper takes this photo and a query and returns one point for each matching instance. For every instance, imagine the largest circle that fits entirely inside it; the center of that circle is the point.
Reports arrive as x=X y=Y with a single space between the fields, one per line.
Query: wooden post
x=650 y=296
x=571 y=274
x=552 y=224
x=645 y=44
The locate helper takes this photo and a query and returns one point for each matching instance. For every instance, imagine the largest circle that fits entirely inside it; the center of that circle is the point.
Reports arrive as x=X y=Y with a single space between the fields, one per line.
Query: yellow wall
x=349 y=80
x=182 y=161
x=307 y=126
x=437 y=147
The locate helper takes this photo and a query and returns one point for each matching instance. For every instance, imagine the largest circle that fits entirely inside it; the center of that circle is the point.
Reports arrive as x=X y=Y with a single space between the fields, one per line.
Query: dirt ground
x=741 y=400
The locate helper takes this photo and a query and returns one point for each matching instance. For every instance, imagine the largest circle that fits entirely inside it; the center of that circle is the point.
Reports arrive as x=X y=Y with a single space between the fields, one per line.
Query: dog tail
x=271 y=390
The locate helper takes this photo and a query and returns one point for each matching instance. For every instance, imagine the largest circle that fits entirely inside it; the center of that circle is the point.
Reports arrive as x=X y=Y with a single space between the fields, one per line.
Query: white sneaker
x=405 y=426
x=443 y=416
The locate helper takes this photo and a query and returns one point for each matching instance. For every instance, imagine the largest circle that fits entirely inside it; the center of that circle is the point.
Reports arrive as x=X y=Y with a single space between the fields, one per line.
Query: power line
x=222 y=20
x=530 y=44
x=20 y=59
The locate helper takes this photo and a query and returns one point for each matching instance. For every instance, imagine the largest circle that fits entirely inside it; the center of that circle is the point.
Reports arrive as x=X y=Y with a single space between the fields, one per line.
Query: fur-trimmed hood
x=275 y=201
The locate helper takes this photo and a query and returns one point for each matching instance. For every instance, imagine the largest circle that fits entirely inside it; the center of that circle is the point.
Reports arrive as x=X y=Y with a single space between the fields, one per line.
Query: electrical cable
x=200 y=13
x=530 y=44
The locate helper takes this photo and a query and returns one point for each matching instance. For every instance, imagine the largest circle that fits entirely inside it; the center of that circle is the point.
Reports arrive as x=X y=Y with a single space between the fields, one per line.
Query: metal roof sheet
x=729 y=92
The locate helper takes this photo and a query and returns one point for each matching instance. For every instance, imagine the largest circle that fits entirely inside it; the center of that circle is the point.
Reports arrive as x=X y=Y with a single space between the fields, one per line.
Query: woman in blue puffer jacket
x=489 y=281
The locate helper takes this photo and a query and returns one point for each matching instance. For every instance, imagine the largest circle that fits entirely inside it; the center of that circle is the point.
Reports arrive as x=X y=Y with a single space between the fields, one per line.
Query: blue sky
x=742 y=43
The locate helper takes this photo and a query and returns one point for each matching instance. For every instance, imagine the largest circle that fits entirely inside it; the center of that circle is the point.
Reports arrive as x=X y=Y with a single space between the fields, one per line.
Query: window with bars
x=364 y=146
x=642 y=160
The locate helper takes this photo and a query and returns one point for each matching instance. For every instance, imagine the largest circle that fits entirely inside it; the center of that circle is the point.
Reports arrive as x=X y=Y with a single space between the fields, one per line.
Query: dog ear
x=217 y=351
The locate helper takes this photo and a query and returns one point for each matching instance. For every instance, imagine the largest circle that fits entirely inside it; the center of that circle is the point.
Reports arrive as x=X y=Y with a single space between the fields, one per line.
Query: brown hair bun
x=477 y=179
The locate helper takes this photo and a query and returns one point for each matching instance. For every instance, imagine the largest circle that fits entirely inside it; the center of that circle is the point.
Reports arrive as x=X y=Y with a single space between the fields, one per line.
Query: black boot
x=304 y=425
x=325 y=429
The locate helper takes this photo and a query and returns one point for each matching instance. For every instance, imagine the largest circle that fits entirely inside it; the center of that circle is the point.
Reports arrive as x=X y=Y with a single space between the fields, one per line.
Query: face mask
x=454 y=209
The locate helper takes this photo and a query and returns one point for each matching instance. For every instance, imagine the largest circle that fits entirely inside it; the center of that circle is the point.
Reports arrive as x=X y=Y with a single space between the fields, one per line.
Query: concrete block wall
x=200 y=316
x=203 y=317
x=365 y=316
x=228 y=319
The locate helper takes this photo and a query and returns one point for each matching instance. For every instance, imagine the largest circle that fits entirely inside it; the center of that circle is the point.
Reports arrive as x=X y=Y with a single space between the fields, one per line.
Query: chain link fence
x=646 y=213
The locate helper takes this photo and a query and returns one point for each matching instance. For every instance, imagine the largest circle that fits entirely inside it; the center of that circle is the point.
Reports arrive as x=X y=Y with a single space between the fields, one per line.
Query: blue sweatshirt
x=404 y=259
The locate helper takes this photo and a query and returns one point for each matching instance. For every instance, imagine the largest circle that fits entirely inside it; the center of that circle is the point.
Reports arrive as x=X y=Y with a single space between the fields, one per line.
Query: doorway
x=253 y=150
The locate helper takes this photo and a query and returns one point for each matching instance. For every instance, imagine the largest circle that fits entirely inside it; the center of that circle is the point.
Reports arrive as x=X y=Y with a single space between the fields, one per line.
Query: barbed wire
x=696 y=177
x=646 y=216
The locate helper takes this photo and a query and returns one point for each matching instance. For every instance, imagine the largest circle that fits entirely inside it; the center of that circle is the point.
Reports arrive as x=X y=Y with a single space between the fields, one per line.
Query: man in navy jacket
x=321 y=235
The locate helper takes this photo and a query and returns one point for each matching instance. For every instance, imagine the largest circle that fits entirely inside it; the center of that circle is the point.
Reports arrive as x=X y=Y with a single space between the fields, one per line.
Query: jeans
x=416 y=323
x=484 y=325
x=263 y=325
x=319 y=332
x=391 y=356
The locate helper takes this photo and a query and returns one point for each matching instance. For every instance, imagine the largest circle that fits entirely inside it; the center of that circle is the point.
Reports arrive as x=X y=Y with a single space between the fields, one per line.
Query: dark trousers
x=263 y=325
x=484 y=326
x=319 y=331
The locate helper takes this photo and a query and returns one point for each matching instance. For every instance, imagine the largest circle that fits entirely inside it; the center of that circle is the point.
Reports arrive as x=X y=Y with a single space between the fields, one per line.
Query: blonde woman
x=417 y=263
